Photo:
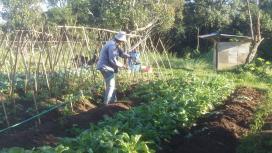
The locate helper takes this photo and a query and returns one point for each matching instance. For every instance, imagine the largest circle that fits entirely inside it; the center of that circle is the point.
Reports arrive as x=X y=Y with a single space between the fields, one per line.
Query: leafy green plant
x=259 y=66
x=170 y=105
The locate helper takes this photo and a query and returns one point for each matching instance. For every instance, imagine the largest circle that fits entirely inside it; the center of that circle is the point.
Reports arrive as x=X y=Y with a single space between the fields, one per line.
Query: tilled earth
x=57 y=126
x=220 y=130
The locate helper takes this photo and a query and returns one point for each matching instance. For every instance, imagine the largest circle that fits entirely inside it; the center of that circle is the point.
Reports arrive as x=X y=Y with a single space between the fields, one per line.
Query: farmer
x=108 y=64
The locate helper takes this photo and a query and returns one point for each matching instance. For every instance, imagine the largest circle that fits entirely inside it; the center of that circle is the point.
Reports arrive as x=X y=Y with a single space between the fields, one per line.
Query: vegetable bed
x=169 y=106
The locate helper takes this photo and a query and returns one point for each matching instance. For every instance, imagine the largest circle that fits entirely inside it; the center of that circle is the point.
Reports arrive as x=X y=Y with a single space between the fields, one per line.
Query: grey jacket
x=108 y=59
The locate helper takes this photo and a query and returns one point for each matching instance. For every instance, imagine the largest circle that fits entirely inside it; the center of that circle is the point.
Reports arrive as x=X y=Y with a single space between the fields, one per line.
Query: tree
x=61 y=16
x=255 y=31
x=201 y=17
x=68 y=12
x=22 y=14
x=123 y=14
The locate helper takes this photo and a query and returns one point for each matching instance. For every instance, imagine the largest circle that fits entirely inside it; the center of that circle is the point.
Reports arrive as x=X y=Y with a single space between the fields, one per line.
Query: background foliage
x=178 y=20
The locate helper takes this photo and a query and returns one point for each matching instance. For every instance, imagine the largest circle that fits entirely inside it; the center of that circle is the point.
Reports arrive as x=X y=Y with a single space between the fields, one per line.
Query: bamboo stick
x=36 y=105
x=153 y=56
x=98 y=29
x=59 y=50
x=158 y=54
x=2 y=100
x=13 y=75
x=165 y=52
x=46 y=77
x=26 y=68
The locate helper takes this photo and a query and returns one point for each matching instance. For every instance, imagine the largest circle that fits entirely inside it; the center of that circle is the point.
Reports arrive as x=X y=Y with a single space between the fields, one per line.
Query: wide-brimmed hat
x=121 y=36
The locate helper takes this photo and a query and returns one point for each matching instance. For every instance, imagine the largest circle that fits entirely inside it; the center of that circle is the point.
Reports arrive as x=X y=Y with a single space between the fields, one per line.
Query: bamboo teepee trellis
x=37 y=55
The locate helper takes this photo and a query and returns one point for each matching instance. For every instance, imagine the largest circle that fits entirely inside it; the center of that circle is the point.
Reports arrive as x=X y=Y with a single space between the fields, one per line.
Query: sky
x=43 y=6
x=1 y=20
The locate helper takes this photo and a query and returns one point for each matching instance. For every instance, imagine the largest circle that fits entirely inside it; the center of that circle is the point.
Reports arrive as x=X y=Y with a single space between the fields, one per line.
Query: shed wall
x=231 y=54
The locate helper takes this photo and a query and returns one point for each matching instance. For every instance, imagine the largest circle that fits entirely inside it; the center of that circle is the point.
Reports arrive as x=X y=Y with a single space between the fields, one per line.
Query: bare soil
x=57 y=126
x=219 y=131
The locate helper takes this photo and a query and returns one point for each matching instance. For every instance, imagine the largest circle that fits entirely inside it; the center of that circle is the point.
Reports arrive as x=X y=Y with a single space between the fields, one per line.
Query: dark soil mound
x=48 y=133
x=219 y=131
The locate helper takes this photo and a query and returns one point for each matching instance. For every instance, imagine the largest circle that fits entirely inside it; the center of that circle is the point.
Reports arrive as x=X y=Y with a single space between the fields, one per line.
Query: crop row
x=168 y=106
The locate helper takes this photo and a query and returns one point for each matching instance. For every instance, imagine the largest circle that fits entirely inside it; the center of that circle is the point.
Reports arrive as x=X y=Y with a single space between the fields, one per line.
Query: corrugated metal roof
x=214 y=34
x=218 y=35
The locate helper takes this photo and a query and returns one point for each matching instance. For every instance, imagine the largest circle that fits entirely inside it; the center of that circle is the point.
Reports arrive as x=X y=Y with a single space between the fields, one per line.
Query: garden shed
x=229 y=50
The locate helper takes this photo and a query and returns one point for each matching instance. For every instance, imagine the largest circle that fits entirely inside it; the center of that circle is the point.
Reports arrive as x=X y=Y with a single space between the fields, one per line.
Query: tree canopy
x=22 y=15
x=179 y=21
